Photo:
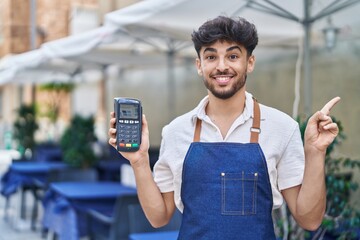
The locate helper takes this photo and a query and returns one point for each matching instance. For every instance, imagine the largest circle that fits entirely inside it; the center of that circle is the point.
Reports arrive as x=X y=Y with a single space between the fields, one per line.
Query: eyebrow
x=232 y=48
x=210 y=49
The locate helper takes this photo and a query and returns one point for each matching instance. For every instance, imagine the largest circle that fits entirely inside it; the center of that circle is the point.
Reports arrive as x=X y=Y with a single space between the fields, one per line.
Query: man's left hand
x=321 y=130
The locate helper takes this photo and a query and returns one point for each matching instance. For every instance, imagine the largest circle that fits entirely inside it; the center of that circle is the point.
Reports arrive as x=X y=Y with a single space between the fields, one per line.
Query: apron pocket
x=238 y=193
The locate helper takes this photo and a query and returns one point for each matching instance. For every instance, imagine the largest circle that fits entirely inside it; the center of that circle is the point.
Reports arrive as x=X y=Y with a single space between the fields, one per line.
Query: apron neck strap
x=197 y=130
x=255 y=129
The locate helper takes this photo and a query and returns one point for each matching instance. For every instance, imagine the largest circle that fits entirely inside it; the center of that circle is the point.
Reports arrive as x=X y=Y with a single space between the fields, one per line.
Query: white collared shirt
x=279 y=139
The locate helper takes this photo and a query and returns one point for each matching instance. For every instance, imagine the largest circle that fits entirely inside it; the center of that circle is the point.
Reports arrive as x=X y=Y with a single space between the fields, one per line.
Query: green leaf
x=77 y=141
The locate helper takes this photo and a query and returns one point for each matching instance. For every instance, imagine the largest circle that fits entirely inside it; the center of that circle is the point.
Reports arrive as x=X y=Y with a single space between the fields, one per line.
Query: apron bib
x=226 y=190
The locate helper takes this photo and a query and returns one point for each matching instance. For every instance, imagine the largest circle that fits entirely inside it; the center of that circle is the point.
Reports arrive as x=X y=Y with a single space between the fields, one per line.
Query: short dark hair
x=226 y=29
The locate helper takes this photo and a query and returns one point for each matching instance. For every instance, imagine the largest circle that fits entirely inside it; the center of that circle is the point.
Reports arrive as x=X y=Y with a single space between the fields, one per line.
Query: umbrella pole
x=33 y=36
x=171 y=83
x=307 y=60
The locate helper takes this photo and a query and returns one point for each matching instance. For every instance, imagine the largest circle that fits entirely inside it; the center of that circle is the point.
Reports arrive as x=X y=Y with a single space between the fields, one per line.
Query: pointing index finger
x=326 y=109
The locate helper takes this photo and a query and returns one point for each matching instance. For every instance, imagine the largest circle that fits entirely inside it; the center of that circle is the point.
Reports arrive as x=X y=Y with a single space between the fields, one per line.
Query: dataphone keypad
x=128 y=134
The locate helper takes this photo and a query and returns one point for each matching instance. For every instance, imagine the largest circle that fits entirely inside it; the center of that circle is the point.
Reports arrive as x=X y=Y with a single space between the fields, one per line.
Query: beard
x=226 y=93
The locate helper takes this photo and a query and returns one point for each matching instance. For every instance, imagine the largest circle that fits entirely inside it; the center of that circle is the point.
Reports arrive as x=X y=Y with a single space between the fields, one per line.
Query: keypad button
x=128 y=133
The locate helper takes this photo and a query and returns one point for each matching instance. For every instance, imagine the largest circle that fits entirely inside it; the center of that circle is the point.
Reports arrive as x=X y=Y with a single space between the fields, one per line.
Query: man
x=230 y=161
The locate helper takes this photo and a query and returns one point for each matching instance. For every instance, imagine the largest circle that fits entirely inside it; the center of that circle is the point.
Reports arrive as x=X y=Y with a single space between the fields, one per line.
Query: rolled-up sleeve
x=292 y=163
x=163 y=175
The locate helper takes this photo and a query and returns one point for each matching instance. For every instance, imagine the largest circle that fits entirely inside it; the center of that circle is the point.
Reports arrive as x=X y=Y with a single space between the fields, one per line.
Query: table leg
x=19 y=222
x=22 y=203
x=6 y=209
x=51 y=236
x=35 y=209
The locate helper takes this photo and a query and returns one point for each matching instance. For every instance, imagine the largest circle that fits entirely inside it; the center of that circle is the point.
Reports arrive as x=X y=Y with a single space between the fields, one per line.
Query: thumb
x=145 y=124
x=318 y=117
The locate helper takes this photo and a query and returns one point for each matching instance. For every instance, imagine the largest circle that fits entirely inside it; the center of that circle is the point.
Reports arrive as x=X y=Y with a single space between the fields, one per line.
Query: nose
x=222 y=65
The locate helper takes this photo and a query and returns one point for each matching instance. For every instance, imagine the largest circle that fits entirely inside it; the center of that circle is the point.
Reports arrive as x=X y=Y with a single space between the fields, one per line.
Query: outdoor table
x=167 y=235
x=66 y=205
x=27 y=174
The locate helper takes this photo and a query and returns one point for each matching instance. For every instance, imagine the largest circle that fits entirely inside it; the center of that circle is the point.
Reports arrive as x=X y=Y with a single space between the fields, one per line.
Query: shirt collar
x=199 y=111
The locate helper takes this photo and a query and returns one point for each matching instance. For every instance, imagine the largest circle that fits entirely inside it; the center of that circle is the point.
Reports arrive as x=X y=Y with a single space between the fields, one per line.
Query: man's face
x=224 y=67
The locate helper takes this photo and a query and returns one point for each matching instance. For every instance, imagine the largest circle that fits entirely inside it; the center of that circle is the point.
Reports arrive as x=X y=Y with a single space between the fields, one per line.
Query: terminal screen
x=129 y=111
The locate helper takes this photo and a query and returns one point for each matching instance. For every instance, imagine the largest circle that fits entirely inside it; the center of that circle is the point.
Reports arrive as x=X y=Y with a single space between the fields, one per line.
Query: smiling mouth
x=223 y=79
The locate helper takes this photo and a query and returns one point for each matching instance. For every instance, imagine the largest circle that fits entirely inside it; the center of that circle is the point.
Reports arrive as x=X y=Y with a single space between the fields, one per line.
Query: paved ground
x=11 y=227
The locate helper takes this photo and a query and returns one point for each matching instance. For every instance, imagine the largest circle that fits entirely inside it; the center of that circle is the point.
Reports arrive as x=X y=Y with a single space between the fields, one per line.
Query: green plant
x=77 y=141
x=24 y=127
x=342 y=219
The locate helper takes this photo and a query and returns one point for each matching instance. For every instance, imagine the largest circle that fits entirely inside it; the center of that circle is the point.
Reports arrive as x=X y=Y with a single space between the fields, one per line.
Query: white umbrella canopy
x=112 y=54
x=34 y=68
x=38 y=66
x=279 y=19
x=177 y=19
x=59 y=60
x=53 y=70
x=10 y=65
x=79 y=44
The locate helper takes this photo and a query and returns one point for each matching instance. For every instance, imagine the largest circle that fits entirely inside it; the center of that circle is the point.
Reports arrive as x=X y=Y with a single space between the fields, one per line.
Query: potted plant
x=77 y=142
x=24 y=128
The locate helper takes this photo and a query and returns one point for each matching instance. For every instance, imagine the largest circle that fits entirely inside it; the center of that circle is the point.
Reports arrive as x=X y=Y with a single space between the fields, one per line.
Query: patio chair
x=127 y=218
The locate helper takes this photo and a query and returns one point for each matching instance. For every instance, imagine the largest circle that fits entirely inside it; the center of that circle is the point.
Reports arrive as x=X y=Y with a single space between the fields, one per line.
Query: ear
x=198 y=66
x=250 y=64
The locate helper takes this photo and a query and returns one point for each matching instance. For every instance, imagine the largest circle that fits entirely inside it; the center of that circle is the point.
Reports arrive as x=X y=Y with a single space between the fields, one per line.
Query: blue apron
x=226 y=190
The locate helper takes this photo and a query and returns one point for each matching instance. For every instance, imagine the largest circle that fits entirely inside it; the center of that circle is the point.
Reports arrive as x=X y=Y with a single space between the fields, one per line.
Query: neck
x=226 y=108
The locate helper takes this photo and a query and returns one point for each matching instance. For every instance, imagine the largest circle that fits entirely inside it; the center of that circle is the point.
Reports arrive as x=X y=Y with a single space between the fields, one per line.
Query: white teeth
x=223 y=79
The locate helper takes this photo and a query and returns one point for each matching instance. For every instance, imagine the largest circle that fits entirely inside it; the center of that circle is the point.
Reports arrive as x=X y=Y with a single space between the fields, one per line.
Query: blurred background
x=63 y=62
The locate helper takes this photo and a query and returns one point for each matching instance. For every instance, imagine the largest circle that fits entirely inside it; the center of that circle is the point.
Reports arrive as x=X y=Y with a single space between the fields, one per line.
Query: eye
x=210 y=57
x=233 y=57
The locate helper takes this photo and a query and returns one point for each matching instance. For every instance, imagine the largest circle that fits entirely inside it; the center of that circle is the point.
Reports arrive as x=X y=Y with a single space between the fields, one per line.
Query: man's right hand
x=135 y=158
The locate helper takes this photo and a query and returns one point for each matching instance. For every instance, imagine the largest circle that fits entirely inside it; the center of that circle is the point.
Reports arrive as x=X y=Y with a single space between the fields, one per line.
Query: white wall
x=85 y=99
